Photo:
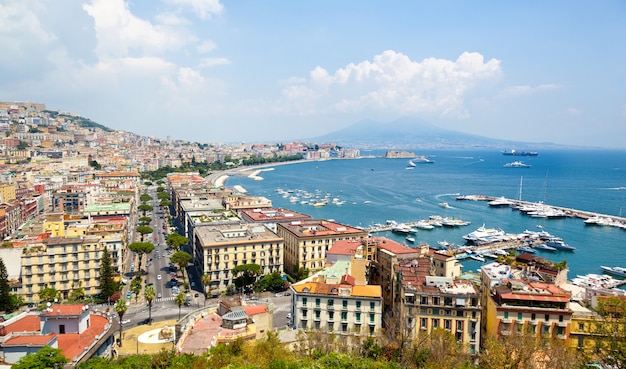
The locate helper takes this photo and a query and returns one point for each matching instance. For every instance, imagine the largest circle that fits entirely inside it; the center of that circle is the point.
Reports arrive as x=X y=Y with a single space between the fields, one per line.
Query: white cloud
x=120 y=33
x=392 y=83
x=206 y=47
x=202 y=8
x=212 y=62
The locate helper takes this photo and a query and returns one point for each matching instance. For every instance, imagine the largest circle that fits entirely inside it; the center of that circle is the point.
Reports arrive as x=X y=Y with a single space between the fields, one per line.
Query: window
x=533 y=316
x=304 y=301
x=344 y=316
x=358 y=317
x=547 y=317
x=435 y=311
x=331 y=315
x=344 y=304
x=371 y=318
x=435 y=300
x=447 y=324
x=372 y=305
x=358 y=305
x=317 y=302
x=61 y=328
x=331 y=303
x=424 y=300
x=506 y=315
x=560 y=318
x=317 y=314
x=435 y=323
x=581 y=326
x=304 y=312
x=519 y=316
x=459 y=325
x=424 y=323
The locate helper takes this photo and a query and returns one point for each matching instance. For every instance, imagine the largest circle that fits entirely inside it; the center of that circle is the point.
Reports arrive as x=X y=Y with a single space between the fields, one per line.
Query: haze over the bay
x=217 y=71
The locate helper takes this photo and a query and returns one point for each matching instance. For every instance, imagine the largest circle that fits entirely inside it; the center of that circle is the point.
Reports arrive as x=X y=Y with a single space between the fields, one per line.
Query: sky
x=276 y=71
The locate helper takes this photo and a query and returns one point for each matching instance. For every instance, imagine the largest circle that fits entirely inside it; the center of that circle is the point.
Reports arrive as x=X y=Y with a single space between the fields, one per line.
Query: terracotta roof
x=72 y=344
x=29 y=323
x=255 y=309
x=64 y=310
x=534 y=297
x=35 y=340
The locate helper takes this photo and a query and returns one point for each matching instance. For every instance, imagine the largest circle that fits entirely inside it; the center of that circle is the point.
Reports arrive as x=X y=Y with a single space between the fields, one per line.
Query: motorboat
x=482 y=235
x=444 y=205
x=411 y=164
x=520 y=153
x=618 y=271
x=477 y=257
x=423 y=224
x=401 y=228
x=527 y=249
x=517 y=164
x=410 y=239
x=559 y=244
x=545 y=247
x=501 y=202
x=423 y=159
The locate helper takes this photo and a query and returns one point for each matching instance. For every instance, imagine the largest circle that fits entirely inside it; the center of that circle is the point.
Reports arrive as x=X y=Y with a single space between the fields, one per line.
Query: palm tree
x=120 y=307
x=179 y=300
x=206 y=279
x=149 y=294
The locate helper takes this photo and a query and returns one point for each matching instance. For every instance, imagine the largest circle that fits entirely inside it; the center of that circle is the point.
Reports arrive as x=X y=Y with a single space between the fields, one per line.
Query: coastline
x=218 y=179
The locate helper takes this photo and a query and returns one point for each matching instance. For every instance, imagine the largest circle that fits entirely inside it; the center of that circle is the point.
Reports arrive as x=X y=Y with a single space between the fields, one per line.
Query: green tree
x=5 y=289
x=121 y=307
x=246 y=275
x=144 y=208
x=144 y=230
x=145 y=197
x=181 y=258
x=149 y=294
x=165 y=203
x=610 y=330
x=141 y=248
x=145 y=220
x=272 y=282
x=163 y=196
x=175 y=241
x=135 y=286
x=48 y=294
x=206 y=280
x=107 y=284
x=45 y=358
x=179 y=300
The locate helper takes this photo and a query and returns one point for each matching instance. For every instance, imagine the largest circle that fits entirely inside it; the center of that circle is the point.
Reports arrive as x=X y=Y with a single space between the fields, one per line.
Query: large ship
x=520 y=153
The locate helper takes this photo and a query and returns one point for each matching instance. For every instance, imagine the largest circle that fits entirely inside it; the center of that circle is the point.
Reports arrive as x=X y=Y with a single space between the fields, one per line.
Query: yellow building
x=54 y=225
x=64 y=264
x=219 y=248
x=307 y=241
x=7 y=193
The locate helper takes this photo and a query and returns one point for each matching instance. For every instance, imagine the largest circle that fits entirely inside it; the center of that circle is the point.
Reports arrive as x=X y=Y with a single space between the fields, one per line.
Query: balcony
x=561 y=324
x=561 y=336
x=506 y=320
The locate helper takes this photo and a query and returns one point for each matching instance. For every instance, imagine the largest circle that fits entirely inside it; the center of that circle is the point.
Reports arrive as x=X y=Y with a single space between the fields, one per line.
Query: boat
x=319 y=203
x=401 y=228
x=545 y=247
x=527 y=249
x=483 y=235
x=423 y=159
x=444 y=205
x=500 y=252
x=423 y=224
x=517 y=164
x=462 y=256
x=618 y=271
x=520 y=153
x=559 y=244
x=477 y=257
x=501 y=202
x=410 y=239
x=411 y=164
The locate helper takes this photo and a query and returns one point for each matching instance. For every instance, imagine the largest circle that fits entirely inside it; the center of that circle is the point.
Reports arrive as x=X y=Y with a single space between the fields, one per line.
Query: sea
x=374 y=189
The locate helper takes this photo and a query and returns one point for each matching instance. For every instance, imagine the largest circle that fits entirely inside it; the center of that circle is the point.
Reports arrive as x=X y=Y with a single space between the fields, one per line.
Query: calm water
x=377 y=189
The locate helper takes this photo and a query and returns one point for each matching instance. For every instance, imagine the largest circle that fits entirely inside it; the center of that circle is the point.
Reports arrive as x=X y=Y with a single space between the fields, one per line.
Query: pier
x=610 y=220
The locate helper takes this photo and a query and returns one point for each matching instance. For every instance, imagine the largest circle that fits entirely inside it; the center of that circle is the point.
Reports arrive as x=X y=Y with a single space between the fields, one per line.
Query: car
x=159 y=277
x=159 y=295
x=287 y=294
x=288 y=315
x=125 y=321
x=129 y=295
x=193 y=284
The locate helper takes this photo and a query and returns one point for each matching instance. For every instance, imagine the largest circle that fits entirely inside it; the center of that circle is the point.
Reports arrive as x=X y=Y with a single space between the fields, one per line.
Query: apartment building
x=331 y=301
x=270 y=216
x=219 y=248
x=307 y=241
x=63 y=264
x=428 y=302
x=513 y=305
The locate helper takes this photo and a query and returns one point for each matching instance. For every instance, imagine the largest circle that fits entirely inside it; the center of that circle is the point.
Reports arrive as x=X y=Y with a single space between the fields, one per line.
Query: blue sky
x=270 y=71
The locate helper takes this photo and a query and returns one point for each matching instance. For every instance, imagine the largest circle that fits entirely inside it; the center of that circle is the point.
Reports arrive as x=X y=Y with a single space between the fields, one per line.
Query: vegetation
x=181 y=258
x=175 y=241
x=145 y=197
x=612 y=328
x=246 y=276
x=121 y=307
x=5 y=297
x=81 y=121
x=107 y=285
x=179 y=300
x=255 y=160
x=149 y=294
x=141 y=248
x=44 y=358
x=272 y=282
